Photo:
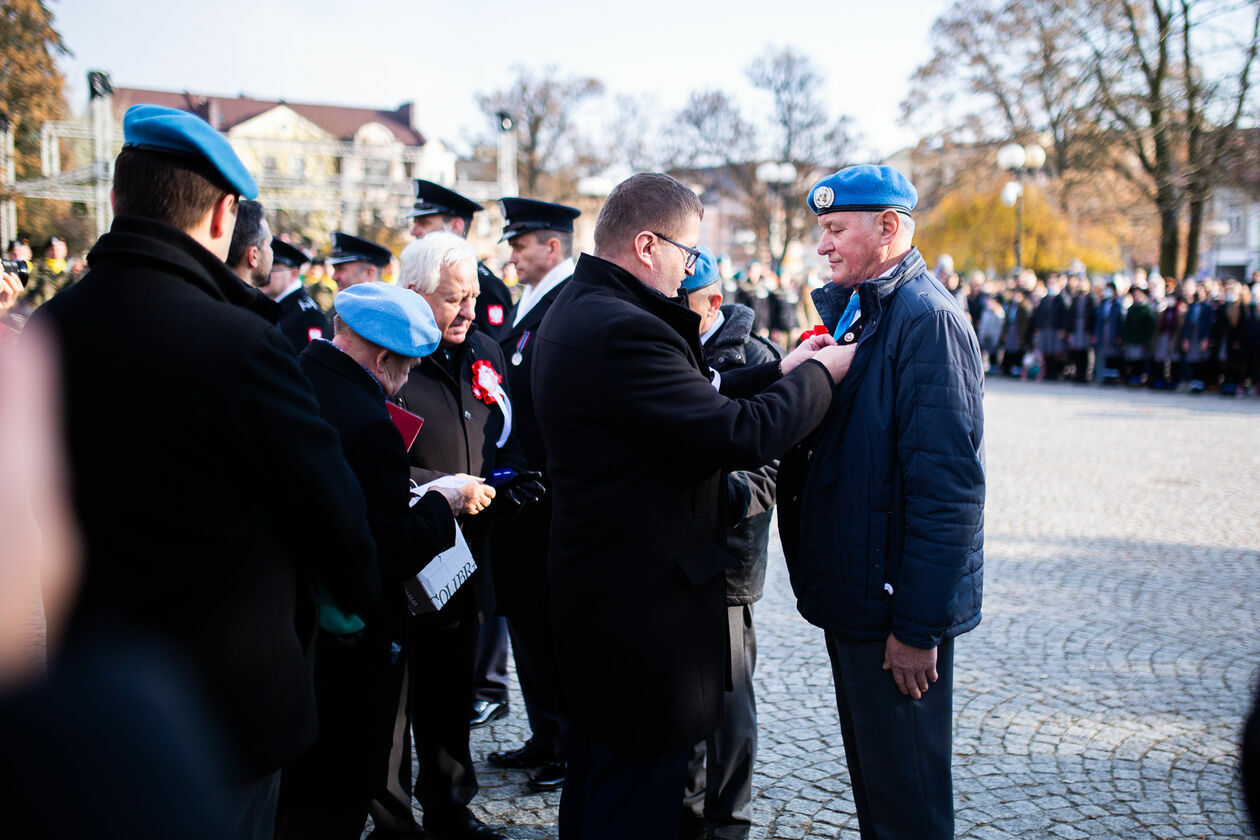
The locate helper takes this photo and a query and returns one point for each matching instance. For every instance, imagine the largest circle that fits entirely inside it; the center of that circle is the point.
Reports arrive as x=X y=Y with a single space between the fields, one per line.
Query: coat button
x=796 y=500
x=467 y=415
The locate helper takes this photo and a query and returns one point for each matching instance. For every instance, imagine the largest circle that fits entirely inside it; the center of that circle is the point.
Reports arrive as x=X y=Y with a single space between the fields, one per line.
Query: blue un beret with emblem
x=706 y=273
x=864 y=187
x=175 y=132
x=389 y=316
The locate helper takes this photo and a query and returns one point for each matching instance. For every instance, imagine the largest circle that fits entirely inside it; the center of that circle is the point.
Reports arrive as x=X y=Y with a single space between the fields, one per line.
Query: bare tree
x=1150 y=89
x=719 y=145
x=553 y=152
x=803 y=134
x=1173 y=81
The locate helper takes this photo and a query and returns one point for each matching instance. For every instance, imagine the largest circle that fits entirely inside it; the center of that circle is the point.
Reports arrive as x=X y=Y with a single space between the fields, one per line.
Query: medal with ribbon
x=487 y=386
x=519 y=355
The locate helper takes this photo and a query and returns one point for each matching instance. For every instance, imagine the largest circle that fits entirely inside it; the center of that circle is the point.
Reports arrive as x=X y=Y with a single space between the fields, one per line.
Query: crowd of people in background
x=1142 y=330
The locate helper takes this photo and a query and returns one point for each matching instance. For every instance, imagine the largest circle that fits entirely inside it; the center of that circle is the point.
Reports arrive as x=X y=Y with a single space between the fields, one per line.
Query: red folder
x=408 y=424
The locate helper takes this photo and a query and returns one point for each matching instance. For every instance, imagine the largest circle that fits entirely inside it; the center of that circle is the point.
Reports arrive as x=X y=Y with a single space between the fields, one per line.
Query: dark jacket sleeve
x=307 y=465
x=406 y=537
x=939 y=443
x=752 y=492
x=669 y=406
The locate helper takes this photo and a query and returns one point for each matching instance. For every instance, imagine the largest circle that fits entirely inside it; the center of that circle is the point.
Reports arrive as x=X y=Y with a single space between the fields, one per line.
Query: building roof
x=223 y=112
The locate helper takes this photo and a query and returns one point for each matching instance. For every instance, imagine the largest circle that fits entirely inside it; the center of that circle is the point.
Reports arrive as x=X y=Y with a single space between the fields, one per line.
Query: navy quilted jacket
x=882 y=508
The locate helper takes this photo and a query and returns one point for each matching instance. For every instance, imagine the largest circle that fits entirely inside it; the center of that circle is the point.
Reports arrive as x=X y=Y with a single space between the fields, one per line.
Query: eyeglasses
x=692 y=253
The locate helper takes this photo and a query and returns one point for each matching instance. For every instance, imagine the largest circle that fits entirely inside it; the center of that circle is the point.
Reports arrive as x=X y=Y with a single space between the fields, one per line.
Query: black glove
x=524 y=488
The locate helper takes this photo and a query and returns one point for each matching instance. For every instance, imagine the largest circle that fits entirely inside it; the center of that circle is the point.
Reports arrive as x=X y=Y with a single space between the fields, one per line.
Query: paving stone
x=1102 y=695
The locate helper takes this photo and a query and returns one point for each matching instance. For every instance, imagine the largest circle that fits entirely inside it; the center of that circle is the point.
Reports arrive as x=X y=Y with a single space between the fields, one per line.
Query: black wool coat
x=357 y=703
x=459 y=436
x=520 y=542
x=186 y=419
x=637 y=439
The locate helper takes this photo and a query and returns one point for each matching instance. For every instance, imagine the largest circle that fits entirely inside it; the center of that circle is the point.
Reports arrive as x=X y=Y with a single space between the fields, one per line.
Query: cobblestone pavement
x=1102 y=695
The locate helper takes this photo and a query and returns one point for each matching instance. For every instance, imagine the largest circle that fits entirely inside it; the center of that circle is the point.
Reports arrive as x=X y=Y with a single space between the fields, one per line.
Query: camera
x=18 y=267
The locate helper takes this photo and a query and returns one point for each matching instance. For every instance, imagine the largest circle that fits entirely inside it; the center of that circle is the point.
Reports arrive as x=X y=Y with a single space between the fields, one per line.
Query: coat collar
x=601 y=274
x=149 y=242
x=538 y=310
x=328 y=355
x=831 y=299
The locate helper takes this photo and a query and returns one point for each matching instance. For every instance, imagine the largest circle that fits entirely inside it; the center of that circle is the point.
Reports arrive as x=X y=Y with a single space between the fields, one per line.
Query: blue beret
x=706 y=273
x=863 y=187
x=389 y=316
x=180 y=133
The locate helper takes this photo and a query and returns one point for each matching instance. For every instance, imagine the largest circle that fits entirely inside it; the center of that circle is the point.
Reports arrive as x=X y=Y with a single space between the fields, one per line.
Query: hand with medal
x=517 y=489
x=821 y=348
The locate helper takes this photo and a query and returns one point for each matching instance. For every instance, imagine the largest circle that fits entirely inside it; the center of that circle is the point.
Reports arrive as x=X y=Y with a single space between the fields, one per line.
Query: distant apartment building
x=349 y=167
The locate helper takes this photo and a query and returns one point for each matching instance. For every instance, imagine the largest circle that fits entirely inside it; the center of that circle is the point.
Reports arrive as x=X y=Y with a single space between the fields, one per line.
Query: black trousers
x=531 y=648
x=490 y=677
x=719 y=777
x=898 y=749
x=613 y=795
x=325 y=793
x=443 y=653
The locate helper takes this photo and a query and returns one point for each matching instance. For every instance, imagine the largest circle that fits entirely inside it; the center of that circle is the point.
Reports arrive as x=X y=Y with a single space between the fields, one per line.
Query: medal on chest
x=487 y=386
x=519 y=355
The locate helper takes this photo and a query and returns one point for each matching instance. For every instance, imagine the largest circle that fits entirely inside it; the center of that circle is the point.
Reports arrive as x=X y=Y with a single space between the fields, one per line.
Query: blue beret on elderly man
x=391 y=317
x=184 y=135
x=864 y=187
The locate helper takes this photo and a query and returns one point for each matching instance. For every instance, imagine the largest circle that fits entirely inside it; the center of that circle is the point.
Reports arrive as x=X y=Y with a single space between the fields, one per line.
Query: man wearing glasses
x=636 y=438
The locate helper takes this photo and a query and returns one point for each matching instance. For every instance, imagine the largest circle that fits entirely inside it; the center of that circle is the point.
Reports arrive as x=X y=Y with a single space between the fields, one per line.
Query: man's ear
x=458 y=227
x=223 y=217
x=889 y=225
x=715 y=299
x=253 y=255
x=643 y=245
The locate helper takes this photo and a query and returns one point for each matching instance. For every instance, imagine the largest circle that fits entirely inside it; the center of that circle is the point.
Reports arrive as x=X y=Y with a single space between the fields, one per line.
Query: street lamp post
x=1019 y=161
x=777 y=176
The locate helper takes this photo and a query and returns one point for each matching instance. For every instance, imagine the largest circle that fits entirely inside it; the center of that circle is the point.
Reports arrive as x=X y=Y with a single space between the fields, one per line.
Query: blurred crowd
x=1142 y=330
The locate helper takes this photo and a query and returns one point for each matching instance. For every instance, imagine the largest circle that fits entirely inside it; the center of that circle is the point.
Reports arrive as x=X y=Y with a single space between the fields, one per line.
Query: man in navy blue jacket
x=881 y=508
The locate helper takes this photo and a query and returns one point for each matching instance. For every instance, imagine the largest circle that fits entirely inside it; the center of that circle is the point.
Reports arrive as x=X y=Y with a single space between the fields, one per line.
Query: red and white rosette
x=487 y=386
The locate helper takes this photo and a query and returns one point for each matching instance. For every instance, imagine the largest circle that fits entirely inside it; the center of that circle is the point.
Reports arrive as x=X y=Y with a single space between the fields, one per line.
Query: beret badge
x=823 y=196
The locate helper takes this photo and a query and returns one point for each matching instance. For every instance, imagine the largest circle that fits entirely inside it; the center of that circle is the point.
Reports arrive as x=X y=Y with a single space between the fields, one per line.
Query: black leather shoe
x=470 y=828
x=549 y=777
x=485 y=712
x=532 y=754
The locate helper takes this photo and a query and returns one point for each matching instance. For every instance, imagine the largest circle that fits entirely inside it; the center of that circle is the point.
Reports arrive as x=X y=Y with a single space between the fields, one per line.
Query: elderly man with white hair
x=461 y=392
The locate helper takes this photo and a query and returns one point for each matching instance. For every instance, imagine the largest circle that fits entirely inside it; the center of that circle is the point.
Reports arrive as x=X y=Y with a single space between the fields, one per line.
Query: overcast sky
x=381 y=53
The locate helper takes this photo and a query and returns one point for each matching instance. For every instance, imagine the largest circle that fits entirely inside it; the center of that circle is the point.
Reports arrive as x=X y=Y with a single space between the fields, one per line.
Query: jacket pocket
x=878 y=555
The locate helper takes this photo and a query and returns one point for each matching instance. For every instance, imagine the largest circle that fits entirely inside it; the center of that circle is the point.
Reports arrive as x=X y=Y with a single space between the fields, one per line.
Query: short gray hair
x=423 y=260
